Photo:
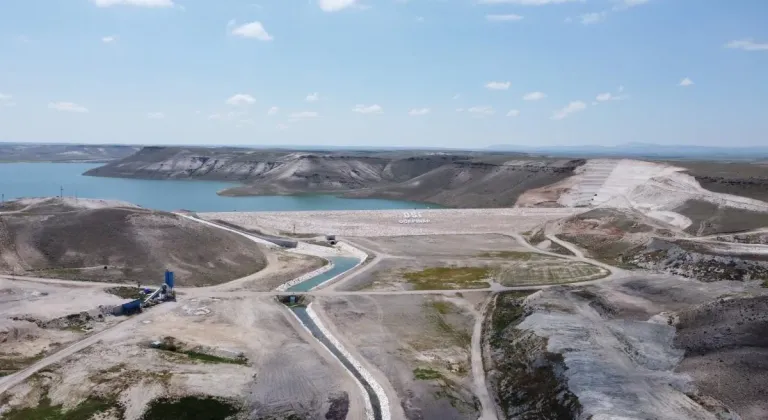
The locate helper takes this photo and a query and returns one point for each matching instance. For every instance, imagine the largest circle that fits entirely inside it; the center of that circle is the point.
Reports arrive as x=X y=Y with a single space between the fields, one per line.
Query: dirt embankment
x=726 y=352
x=739 y=178
x=611 y=235
x=710 y=219
x=470 y=179
x=121 y=244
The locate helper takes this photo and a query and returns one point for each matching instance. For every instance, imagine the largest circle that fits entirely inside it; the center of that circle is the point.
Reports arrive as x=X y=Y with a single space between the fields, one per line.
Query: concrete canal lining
x=376 y=402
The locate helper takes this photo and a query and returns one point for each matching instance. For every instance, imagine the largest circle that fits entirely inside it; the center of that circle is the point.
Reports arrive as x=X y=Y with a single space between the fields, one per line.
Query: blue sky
x=453 y=73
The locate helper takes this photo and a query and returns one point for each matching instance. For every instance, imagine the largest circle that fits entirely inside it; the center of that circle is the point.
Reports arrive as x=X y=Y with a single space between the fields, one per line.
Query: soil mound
x=121 y=244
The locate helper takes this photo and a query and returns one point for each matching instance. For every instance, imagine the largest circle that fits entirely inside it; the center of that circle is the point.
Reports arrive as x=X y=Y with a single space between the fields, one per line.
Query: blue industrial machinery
x=169 y=278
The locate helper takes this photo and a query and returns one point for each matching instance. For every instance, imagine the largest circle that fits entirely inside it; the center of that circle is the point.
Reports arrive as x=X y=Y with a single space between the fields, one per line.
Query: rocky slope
x=615 y=350
x=470 y=179
x=632 y=240
x=114 y=242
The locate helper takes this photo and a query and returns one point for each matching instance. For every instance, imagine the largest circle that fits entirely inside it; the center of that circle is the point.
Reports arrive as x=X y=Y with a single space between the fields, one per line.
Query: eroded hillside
x=470 y=179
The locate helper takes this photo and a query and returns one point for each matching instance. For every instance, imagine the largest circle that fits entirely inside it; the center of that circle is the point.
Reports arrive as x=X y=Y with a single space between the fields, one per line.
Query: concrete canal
x=340 y=266
x=305 y=314
x=375 y=404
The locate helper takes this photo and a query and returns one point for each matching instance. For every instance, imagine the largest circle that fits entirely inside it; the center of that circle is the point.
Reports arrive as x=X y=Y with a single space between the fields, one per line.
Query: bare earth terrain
x=613 y=289
x=115 y=242
x=420 y=344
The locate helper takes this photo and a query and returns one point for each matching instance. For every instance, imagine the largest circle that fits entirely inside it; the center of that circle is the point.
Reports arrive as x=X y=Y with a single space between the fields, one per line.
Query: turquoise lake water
x=44 y=179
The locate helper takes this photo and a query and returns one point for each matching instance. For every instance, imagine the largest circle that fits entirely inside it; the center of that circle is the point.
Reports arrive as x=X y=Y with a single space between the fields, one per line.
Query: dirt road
x=18 y=377
x=478 y=369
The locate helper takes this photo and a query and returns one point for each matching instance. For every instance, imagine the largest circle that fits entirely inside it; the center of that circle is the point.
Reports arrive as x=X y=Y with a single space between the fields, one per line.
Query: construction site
x=594 y=309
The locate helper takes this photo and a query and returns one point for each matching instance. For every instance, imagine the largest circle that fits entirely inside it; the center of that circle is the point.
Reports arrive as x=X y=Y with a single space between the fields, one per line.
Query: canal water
x=340 y=265
x=47 y=179
x=302 y=314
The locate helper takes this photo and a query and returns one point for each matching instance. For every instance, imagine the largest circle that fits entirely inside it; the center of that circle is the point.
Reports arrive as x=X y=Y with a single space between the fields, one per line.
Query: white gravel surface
x=388 y=222
x=654 y=188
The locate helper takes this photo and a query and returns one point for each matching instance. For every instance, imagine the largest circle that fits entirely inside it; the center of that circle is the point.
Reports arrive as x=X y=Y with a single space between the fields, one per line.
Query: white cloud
x=513 y=113
x=459 y=109
x=420 y=19
x=109 y=39
x=481 y=110
x=273 y=110
x=527 y=2
x=607 y=96
x=6 y=100
x=241 y=99
x=250 y=30
x=155 y=115
x=572 y=107
x=621 y=88
x=534 y=96
x=626 y=4
x=748 y=44
x=304 y=115
x=335 y=5
x=368 y=109
x=139 y=3
x=592 y=18
x=282 y=127
x=503 y=18
x=419 y=111
x=686 y=82
x=229 y=116
x=67 y=107
x=456 y=96
x=498 y=85
x=313 y=97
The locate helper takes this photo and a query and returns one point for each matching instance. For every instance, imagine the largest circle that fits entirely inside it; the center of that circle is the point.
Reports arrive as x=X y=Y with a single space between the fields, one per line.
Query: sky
x=415 y=73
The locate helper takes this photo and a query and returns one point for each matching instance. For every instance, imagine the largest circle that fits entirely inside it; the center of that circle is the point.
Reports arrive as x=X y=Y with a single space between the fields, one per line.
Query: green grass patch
x=127 y=292
x=510 y=255
x=437 y=313
x=447 y=278
x=442 y=307
x=190 y=408
x=209 y=358
x=12 y=362
x=169 y=345
x=426 y=374
x=45 y=411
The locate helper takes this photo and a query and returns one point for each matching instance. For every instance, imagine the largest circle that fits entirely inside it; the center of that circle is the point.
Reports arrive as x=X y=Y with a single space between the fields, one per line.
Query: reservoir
x=45 y=179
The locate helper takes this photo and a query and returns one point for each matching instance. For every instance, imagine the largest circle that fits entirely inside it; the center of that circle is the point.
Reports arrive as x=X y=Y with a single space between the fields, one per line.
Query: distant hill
x=643 y=150
x=31 y=152
x=455 y=179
